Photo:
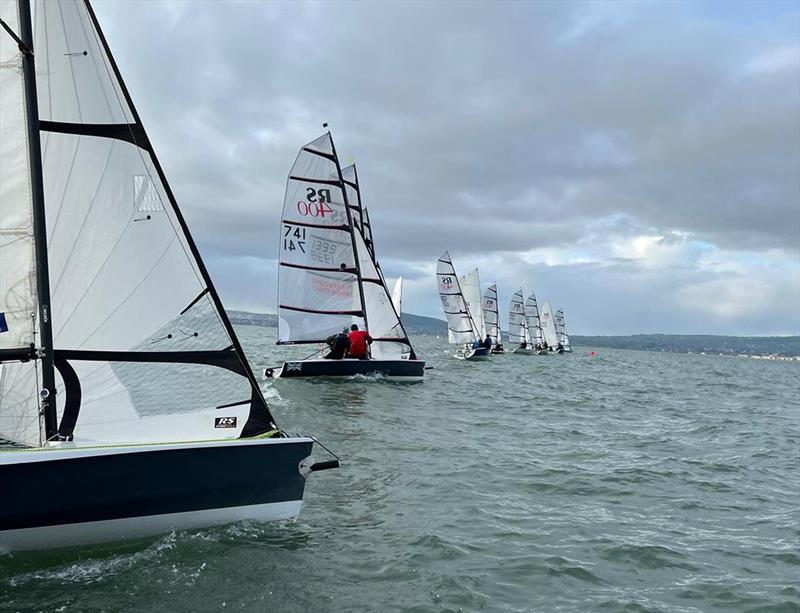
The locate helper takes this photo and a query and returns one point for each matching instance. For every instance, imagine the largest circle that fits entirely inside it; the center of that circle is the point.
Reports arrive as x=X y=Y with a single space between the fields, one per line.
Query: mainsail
x=461 y=327
x=490 y=314
x=141 y=342
x=549 y=326
x=383 y=308
x=532 y=319
x=517 y=325
x=471 y=288
x=328 y=276
x=561 y=329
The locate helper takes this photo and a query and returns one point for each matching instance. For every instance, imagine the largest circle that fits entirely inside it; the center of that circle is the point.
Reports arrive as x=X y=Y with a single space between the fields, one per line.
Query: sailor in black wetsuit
x=339 y=344
x=487 y=342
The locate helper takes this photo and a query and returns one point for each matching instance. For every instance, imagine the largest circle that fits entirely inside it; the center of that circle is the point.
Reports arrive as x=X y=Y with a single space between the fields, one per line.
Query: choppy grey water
x=628 y=481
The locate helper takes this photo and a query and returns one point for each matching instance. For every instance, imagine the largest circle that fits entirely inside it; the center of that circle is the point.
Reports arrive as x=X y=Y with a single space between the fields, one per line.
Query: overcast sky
x=636 y=163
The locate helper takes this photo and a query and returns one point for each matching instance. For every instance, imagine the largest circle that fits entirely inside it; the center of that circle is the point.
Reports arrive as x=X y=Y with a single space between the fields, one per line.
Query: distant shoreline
x=760 y=347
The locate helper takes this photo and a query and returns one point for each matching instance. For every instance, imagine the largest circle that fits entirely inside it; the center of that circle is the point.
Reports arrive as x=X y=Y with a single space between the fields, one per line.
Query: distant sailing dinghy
x=534 y=324
x=131 y=406
x=518 y=333
x=492 y=319
x=462 y=328
x=561 y=329
x=328 y=277
x=549 y=328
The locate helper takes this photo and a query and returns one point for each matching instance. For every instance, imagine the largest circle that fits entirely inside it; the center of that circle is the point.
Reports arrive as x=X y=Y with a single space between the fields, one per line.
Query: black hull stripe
x=149 y=483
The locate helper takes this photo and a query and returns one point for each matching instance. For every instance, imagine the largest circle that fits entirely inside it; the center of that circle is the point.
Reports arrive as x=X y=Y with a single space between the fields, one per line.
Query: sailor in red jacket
x=359 y=343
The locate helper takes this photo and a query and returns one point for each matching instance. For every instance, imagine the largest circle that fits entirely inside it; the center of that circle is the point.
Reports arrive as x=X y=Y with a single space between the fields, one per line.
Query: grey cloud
x=488 y=128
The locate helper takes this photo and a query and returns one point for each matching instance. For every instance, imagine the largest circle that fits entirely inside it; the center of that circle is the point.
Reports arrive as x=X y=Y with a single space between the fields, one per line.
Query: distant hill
x=698 y=343
x=419 y=325
x=268 y=320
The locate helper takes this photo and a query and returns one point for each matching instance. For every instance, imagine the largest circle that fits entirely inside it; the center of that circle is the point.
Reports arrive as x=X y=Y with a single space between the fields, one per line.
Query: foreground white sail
x=462 y=329
x=101 y=281
x=329 y=278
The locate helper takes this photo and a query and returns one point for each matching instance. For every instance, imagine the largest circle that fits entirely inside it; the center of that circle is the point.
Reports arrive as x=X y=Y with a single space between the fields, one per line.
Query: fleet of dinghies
x=127 y=405
x=477 y=332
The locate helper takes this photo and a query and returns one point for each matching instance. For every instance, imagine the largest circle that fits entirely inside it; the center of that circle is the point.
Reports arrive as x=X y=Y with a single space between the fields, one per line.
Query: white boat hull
x=93 y=532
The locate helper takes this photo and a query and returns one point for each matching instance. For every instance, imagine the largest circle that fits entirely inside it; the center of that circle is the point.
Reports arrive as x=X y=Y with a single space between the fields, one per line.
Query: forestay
x=532 y=319
x=143 y=347
x=517 y=325
x=461 y=327
x=471 y=287
x=549 y=326
x=490 y=314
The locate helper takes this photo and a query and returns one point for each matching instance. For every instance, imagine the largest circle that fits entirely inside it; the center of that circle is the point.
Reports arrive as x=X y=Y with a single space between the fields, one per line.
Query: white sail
x=318 y=287
x=19 y=409
x=139 y=336
x=397 y=295
x=383 y=324
x=532 y=319
x=471 y=288
x=461 y=327
x=490 y=314
x=517 y=326
x=549 y=326
x=561 y=328
x=383 y=314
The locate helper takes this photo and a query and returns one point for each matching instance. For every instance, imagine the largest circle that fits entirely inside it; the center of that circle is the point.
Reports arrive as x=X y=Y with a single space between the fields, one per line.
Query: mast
x=48 y=392
x=212 y=292
x=352 y=235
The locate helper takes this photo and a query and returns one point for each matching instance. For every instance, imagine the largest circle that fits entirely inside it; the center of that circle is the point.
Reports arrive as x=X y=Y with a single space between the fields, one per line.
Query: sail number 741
x=294 y=239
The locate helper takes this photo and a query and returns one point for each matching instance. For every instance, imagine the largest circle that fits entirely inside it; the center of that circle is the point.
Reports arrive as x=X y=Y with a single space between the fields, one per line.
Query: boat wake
x=93 y=570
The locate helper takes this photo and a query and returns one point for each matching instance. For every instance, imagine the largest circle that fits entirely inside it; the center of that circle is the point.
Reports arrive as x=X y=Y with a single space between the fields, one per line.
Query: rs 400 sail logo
x=224 y=422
